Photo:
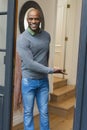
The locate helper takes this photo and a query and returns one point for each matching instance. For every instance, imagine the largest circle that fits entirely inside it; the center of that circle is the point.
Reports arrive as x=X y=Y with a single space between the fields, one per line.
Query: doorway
x=71 y=42
x=66 y=56
x=67 y=37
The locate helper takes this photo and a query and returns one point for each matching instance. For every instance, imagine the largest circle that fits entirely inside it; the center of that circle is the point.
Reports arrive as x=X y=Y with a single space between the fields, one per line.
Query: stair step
x=59 y=82
x=63 y=108
x=65 y=104
x=63 y=90
x=63 y=93
x=62 y=99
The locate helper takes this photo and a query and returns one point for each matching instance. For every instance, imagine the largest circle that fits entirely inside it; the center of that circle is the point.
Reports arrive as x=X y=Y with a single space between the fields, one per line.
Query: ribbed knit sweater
x=34 y=52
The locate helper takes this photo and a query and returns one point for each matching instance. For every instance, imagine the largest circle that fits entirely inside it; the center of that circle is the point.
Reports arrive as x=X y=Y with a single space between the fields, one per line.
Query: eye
x=30 y=19
x=36 y=19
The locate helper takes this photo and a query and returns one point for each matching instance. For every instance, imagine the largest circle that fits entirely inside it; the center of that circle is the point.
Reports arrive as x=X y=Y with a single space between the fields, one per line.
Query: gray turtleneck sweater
x=33 y=50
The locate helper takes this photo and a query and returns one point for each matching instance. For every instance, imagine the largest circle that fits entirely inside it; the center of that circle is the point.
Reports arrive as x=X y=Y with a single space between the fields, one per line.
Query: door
x=6 y=61
x=59 y=55
x=80 y=118
x=67 y=35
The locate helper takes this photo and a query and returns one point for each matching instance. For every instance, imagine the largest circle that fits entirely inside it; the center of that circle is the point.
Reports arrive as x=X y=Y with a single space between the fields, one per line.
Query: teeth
x=34 y=25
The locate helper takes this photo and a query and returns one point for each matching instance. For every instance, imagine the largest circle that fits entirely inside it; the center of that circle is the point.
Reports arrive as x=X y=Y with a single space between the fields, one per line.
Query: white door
x=59 y=57
x=67 y=25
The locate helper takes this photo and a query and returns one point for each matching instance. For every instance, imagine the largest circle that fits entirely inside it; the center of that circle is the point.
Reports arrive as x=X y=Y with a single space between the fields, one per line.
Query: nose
x=33 y=20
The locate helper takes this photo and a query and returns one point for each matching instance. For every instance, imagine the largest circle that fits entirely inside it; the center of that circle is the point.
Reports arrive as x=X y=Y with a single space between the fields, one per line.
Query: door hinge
x=66 y=38
x=68 y=5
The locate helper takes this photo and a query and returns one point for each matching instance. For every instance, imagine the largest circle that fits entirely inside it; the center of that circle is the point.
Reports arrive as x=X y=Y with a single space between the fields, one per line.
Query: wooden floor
x=56 y=123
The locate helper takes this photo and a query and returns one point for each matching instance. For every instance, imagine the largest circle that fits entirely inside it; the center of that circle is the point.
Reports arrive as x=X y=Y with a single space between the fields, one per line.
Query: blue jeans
x=39 y=89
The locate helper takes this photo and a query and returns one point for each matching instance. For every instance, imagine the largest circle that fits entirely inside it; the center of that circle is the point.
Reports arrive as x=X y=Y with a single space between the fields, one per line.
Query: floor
x=56 y=123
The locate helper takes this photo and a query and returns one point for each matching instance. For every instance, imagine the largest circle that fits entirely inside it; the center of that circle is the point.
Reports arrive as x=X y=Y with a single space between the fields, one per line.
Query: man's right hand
x=60 y=71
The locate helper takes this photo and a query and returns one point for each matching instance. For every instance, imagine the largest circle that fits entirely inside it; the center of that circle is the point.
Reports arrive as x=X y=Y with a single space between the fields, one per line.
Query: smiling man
x=33 y=49
x=34 y=19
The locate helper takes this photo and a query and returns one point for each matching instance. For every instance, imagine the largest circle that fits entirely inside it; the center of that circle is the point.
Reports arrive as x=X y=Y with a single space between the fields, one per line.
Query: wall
x=76 y=40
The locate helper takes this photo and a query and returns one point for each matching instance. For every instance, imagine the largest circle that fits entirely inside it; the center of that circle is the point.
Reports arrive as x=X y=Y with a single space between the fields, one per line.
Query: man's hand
x=60 y=71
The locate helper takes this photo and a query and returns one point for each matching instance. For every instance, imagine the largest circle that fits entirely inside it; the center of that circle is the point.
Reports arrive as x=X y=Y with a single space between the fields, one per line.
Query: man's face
x=33 y=20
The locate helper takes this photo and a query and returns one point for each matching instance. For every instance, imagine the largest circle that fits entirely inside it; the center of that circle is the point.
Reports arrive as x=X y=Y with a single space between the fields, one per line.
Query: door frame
x=81 y=84
x=80 y=115
x=7 y=90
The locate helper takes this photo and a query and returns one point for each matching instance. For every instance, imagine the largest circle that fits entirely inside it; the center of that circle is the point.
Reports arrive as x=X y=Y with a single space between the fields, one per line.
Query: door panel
x=60 y=34
x=3 y=26
x=2 y=68
x=7 y=15
x=3 y=29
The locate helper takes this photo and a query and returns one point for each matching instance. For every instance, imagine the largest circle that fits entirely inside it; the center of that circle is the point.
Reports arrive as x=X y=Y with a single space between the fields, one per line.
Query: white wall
x=77 y=34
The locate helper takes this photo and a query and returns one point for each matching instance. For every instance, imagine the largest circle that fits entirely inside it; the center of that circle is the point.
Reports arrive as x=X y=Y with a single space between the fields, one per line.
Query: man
x=33 y=49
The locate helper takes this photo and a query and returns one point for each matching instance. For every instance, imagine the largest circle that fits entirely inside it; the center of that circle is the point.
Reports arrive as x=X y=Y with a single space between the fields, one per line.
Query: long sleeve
x=28 y=59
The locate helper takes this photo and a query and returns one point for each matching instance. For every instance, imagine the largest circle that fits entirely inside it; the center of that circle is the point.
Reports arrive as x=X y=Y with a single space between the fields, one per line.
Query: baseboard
x=18 y=116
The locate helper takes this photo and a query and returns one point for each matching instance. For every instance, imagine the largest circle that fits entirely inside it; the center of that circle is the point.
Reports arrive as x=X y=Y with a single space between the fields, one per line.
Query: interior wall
x=77 y=34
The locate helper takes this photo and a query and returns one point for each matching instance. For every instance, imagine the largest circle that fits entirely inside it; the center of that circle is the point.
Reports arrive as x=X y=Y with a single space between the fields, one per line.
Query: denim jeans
x=39 y=89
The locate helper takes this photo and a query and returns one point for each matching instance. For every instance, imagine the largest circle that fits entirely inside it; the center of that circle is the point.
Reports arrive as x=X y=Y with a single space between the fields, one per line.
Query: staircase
x=62 y=99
